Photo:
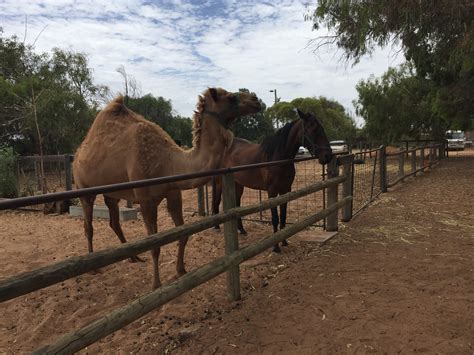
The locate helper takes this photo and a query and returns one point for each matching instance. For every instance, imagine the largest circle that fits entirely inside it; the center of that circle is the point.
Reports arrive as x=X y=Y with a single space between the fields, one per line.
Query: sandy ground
x=398 y=278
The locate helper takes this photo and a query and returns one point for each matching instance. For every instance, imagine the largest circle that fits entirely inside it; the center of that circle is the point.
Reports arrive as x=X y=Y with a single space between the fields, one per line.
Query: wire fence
x=35 y=177
x=365 y=179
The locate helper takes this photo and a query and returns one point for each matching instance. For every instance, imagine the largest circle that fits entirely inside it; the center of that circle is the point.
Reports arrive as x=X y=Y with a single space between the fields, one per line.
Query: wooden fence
x=410 y=162
x=34 y=280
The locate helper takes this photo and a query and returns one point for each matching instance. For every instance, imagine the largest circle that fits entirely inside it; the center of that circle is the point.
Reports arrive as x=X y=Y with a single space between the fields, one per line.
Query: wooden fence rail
x=122 y=316
x=436 y=152
x=49 y=275
x=34 y=280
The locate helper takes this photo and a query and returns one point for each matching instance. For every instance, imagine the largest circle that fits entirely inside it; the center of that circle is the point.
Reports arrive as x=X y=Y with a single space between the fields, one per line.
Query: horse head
x=314 y=137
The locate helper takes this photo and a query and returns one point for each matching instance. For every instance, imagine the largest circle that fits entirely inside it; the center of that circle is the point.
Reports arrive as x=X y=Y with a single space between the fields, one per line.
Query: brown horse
x=276 y=180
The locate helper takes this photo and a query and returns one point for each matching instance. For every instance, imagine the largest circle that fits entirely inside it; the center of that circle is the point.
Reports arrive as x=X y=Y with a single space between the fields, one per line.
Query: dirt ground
x=398 y=278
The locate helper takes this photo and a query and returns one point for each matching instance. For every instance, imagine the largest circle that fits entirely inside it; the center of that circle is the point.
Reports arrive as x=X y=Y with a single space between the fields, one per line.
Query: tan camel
x=123 y=146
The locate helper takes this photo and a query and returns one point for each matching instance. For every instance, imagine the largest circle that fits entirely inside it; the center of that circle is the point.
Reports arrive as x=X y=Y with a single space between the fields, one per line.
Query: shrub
x=8 y=183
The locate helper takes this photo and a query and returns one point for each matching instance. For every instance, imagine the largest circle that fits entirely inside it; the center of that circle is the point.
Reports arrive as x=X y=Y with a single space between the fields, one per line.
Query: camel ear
x=213 y=93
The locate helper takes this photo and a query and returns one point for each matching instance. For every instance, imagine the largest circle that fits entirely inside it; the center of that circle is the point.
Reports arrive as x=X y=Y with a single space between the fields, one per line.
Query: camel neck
x=208 y=152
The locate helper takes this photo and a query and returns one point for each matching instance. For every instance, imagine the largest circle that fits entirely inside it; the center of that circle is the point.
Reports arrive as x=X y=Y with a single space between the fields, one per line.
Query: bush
x=8 y=184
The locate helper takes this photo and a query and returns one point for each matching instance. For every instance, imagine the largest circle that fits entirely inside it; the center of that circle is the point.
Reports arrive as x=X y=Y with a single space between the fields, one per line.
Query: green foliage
x=437 y=37
x=59 y=87
x=253 y=127
x=8 y=183
x=332 y=115
x=399 y=105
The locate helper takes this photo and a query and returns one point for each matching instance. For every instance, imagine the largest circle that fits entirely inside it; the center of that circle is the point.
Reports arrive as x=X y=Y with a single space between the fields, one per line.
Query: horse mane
x=274 y=146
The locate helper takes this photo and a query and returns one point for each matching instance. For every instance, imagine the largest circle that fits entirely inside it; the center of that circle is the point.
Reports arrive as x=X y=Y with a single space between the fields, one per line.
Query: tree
x=398 y=105
x=160 y=111
x=281 y=113
x=332 y=115
x=46 y=101
x=436 y=36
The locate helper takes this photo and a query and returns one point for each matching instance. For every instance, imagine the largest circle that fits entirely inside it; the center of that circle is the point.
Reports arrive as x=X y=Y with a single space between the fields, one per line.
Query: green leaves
x=8 y=187
x=398 y=105
x=160 y=111
x=59 y=87
x=436 y=37
x=332 y=115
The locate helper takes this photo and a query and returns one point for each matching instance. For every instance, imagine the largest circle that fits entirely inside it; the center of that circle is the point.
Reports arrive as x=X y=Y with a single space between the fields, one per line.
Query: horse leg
x=274 y=210
x=87 y=203
x=149 y=212
x=239 y=190
x=283 y=221
x=216 y=196
x=175 y=209
x=114 y=222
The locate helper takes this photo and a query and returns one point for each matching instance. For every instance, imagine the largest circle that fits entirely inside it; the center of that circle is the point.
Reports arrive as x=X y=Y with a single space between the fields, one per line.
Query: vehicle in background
x=302 y=151
x=456 y=140
x=339 y=146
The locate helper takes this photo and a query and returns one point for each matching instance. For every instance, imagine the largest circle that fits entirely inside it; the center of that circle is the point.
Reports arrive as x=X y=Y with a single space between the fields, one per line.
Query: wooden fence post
x=422 y=160
x=200 y=196
x=67 y=172
x=431 y=157
x=331 y=220
x=231 y=237
x=413 y=161
x=383 y=169
x=401 y=163
x=206 y=195
x=18 y=176
x=347 y=191
x=38 y=175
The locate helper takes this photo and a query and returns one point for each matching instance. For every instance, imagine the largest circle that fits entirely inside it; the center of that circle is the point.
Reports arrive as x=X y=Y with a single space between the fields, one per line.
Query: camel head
x=227 y=106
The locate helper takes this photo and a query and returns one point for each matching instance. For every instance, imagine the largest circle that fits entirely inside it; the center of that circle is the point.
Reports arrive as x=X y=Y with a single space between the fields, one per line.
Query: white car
x=302 y=151
x=339 y=146
x=455 y=140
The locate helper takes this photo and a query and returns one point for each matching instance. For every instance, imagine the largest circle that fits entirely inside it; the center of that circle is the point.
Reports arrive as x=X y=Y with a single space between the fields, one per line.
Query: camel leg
x=149 y=212
x=239 y=190
x=175 y=209
x=87 y=203
x=114 y=222
x=216 y=196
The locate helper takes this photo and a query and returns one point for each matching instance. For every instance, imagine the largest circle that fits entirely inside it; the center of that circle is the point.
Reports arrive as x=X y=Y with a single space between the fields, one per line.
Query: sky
x=176 y=49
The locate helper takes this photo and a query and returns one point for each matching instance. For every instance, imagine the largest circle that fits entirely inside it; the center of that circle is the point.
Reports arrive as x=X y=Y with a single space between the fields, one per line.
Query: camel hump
x=116 y=105
x=118 y=100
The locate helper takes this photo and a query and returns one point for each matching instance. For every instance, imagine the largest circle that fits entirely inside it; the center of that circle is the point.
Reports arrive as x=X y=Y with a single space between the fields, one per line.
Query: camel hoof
x=95 y=272
x=243 y=232
x=217 y=228
x=136 y=259
x=155 y=286
x=276 y=249
x=284 y=243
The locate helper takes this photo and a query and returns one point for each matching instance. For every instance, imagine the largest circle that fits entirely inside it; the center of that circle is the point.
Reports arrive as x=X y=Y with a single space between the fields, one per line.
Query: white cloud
x=176 y=49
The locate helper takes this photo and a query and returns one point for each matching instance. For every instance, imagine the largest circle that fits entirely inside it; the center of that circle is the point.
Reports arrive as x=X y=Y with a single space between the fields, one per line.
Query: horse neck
x=295 y=138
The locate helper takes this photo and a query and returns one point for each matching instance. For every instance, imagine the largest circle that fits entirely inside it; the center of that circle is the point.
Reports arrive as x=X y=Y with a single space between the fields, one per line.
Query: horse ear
x=301 y=113
x=213 y=93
